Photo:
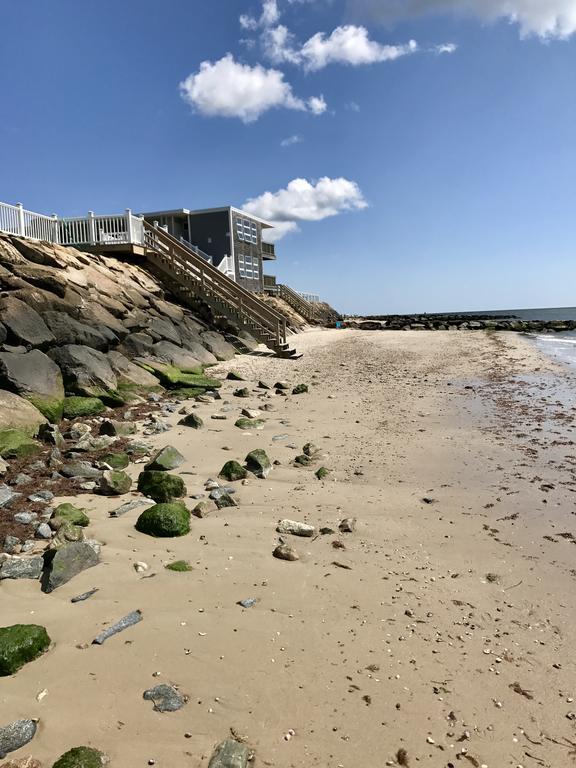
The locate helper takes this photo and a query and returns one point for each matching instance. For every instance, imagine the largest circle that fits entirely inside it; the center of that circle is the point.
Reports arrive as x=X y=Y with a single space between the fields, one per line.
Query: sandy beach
x=438 y=633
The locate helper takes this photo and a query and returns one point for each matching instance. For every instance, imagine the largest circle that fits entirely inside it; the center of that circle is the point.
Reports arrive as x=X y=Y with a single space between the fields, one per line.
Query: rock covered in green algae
x=192 y=420
x=166 y=459
x=303 y=460
x=180 y=566
x=116 y=460
x=68 y=561
x=300 y=389
x=258 y=462
x=76 y=407
x=165 y=520
x=19 y=644
x=322 y=473
x=161 y=486
x=81 y=757
x=244 y=423
x=114 y=482
x=230 y=754
x=70 y=514
x=15 y=444
x=232 y=471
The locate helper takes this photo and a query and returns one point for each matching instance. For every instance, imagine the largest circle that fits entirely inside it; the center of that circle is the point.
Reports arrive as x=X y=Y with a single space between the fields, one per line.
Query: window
x=248 y=266
x=246 y=231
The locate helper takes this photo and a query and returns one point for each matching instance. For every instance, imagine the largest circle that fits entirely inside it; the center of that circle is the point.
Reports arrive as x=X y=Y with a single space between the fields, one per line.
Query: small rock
x=285 y=552
x=165 y=698
x=140 y=567
x=165 y=460
x=41 y=497
x=295 y=528
x=12 y=545
x=25 y=518
x=348 y=525
x=257 y=461
x=7 y=496
x=81 y=757
x=202 y=509
x=67 y=562
x=243 y=392
x=192 y=420
x=300 y=389
x=251 y=413
x=22 y=568
x=43 y=531
x=230 y=754
x=21 y=479
x=232 y=471
x=223 y=499
x=16 y=735
x=114 y=482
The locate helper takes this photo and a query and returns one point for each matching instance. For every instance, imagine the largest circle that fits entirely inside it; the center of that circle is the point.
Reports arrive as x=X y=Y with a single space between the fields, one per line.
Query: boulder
x=174 y=378
x=94 y=314
x=233 y=471
x=17 y=413
x=81 y=757
x=16 y=735
x=15 y=444
x=192 y=420
x=67 y=562
x=35 y=377
x=163 y=329
x=258 y=462
x=166 y=459
x=22 y=568
x=161 y=486
x=76 y=407
x=47 y=254
x=116 y=460
x=230 y=754
x=86 y=371
x=164 y=520
x=217 y=344
x=9 y=254
x=198 y=350
x=68 y=513
x=42 y=277
x=67 y=330
x=130 y=375
x=172 y=311
x=184 y=360
x=80 y=469
x=114 y=482
x=24 y=324
x=20 y=644
x=137 y=344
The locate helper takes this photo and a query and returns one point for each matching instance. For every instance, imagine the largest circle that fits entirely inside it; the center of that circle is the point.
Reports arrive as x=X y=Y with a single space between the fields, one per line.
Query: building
x=228 y=237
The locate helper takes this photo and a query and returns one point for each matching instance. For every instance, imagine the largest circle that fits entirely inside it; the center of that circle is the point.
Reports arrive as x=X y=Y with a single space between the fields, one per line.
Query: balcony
x=268 y=252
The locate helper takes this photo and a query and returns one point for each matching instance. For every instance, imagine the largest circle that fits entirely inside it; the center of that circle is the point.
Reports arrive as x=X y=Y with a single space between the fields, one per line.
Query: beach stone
x=303 y=460
x=166 y=459
x=222 y=499
x=25 y=518
x=165 y=520
x=234 y=376
x=295 y=528
x=20 y=644
x=183 y=359
x=67 y=562
x=25 y=762
x=128 y=506
x=282 y=385
x=230 y=754
x=192 y=420
x=233 y=471
x=24 y=323
x=15 y=444
x=217 y=344
x=77 y=407
x=114 y=482
x=81 y=757
x=285 y=552
x=161 y=486
x=311 y=450
x=89 y=443
x=243 y=392
x=251 y=413
x=43 y=531
x=86 y=371
x=11 y=545
x=165 y=698
x=322 y=473
x=81 y=469
x=130 y=374
x=70 y=514
x=16 y=735
x=116 y=460
x=35 y=377
x=114 y=428
x=22 y=568
x=348 y=525
x=300 y=389
x=18 y=413
x=245 y=424
x=263 y=385
x=257 y=461
x=66 y=533
x=7 y=496
x=203 y=509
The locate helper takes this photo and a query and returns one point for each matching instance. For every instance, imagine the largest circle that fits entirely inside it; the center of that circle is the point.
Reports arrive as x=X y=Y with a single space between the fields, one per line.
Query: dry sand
x=412 y=647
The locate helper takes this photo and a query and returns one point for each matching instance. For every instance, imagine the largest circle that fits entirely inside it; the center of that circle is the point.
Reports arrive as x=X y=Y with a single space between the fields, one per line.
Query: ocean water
x=560 y=346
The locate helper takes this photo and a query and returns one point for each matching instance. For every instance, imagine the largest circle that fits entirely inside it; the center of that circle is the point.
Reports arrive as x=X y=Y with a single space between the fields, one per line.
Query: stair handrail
x=215 y=281
x=308 y=310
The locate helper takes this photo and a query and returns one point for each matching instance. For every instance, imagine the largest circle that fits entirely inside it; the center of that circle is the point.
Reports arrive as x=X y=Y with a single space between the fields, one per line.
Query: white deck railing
x=16 y=220
x=102 y=230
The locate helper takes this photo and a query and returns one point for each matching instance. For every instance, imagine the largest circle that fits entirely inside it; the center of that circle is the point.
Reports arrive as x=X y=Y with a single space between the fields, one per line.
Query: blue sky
x=435 y=175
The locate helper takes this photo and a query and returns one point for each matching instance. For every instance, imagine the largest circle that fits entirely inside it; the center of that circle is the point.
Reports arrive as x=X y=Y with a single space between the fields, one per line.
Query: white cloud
x=289 y=141
x=543 y=18
x=350 y=45
x=302 y=200
x=227 y=88
x=269 y=17
x=353 y=106
x=317 y=105
x=446 y=48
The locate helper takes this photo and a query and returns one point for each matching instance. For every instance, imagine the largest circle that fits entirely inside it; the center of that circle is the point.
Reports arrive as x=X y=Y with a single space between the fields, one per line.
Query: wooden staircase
x=294 y=300
x=190 y=277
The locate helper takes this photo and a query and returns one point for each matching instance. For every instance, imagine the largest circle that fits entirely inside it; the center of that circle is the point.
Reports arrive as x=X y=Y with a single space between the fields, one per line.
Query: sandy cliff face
x=74 y=324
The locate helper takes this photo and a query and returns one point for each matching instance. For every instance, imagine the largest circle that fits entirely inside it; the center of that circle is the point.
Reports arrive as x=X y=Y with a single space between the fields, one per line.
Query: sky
x=414 y=155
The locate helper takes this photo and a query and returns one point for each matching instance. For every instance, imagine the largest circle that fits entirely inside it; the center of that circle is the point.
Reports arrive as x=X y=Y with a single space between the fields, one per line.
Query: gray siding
x=210 y=233
x=248 y=256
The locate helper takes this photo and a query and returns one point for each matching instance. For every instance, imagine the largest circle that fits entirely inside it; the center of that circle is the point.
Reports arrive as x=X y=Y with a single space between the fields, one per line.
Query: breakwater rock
x=458 y=323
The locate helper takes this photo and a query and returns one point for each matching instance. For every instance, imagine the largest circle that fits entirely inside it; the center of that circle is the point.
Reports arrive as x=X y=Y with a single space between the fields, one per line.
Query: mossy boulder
x=174 y=378
x=114 y=482
x=77 y=407
x=192 y=420
x=232 y=471
x=70 y=514
x=258 y=462
x=180 y=566
x=66 y=533
x=50 y=407
x=245 y=423
x=81 y=757
x=300 y=389
x=165 y=520
x=187 y=393
x=161 y=486
x=166 y=459
x=20 y=644
x=322 y=473
x=15 y=444
x=116 y=460
x=303 y=460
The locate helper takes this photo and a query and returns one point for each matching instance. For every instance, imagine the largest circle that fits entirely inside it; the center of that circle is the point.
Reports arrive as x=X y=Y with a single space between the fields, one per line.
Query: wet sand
x=449 y=633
